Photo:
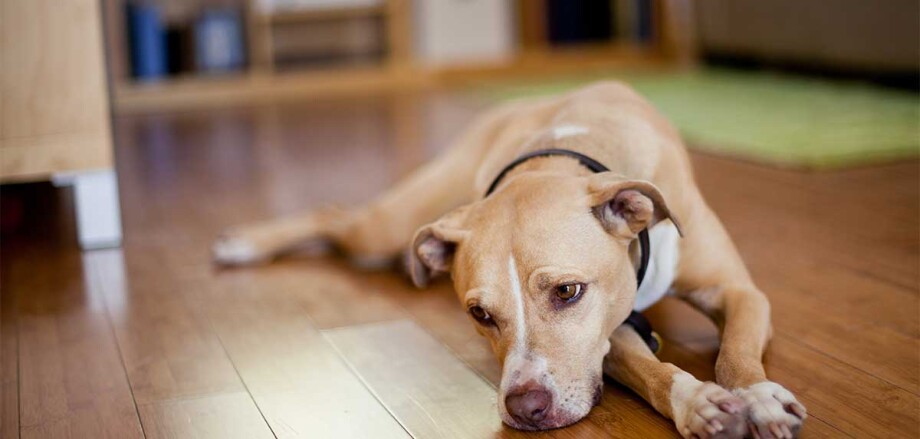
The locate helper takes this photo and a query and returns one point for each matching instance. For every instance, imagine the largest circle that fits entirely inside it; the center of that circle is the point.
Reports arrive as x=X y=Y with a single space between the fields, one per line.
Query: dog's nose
x=529 y=405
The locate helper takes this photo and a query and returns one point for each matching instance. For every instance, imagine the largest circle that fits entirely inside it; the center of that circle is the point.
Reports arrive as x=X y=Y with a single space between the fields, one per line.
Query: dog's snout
x=529 y=405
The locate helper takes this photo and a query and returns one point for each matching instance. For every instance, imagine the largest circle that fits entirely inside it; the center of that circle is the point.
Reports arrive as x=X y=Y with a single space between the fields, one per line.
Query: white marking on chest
x=563 y=131
x=662 y=266
x=518 y=296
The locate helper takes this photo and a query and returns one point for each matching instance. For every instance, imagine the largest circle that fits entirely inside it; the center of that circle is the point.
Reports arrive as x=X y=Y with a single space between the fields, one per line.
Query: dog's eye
x=480 y=315
x=570 y=292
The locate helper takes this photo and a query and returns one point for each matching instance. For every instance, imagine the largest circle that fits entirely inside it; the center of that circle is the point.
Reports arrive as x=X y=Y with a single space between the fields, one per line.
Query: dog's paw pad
x=774 y=411
x=710 y=411
x=231 y=249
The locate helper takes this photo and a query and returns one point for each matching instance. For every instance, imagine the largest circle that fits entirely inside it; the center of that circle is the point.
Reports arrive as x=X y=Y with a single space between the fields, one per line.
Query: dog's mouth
x=556 y=419
x=555 y=416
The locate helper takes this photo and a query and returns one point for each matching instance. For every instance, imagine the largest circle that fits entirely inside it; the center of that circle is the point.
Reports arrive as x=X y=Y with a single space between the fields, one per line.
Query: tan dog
x=546 y=265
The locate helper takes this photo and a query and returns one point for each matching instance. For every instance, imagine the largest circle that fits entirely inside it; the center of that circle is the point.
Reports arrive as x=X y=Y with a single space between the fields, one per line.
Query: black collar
x=635 y=319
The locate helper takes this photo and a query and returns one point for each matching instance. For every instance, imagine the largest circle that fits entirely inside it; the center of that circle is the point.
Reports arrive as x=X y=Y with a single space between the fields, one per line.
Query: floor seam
x=364 y=383
x=236 y=370
x=87 y=258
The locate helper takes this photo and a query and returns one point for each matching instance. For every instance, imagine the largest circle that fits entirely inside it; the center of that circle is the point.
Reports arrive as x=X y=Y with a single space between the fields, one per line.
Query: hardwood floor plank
x=329 y=413
x=328 y=289
x=168 y=349
x=302 y=386
x=797 y=211
x=421 y=383
x=884 y=353
x=857 y=403
x=856 y=295
x=9 y=356
x=438 y=311
x=225 y=416
x=72 y=381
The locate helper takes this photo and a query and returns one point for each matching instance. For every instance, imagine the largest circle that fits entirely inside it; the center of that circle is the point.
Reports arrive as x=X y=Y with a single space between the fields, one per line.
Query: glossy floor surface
x=152 y=340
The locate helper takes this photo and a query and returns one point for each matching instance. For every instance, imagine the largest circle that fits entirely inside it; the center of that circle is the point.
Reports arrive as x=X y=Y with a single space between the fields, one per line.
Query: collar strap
x=594 y=165
x=635 y=319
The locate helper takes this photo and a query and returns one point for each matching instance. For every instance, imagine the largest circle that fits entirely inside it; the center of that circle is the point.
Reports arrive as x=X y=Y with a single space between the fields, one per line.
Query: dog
x=546 y=263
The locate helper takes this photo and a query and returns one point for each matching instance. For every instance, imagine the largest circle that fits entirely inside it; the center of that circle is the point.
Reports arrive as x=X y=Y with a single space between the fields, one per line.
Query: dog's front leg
x=699 y=409
x=713 y=279
x=743 y=315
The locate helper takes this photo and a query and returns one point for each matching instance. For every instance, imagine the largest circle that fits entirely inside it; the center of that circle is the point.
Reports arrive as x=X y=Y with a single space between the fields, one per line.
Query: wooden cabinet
x=54 y=106
x=54 y=113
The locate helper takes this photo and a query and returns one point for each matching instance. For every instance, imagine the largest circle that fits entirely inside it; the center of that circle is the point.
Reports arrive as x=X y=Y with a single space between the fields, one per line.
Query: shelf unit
x=398 y=70
x=391 y=13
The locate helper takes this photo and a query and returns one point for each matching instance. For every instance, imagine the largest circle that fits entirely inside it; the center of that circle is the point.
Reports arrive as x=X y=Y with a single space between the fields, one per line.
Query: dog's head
x=544 y=269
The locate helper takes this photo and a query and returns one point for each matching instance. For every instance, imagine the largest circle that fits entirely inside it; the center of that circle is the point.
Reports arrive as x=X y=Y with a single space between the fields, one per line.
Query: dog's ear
x=625 y=207
x=433 y=248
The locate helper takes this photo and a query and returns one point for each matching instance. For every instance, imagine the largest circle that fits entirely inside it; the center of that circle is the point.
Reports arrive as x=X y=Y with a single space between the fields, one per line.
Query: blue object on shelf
x=147 y=42
x=219 y=41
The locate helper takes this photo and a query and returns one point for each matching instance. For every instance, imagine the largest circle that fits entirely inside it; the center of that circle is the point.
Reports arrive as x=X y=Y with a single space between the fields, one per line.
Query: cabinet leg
x=98 y=211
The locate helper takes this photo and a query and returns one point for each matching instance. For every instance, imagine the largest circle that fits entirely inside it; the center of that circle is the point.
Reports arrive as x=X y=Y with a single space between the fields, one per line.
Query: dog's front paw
x=706 y=410
x=774 y=411
x=233 y=248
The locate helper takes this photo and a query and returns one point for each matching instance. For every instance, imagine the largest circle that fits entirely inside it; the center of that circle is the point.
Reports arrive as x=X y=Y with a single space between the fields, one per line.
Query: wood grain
x=423 y=385
x=71 y=380
x=9 y=358
x=302 y=386
x=169 y=351
x=227 y=415
x=327 y=291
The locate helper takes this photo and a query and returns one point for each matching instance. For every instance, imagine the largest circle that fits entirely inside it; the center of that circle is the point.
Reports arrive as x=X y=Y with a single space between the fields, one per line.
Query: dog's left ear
x=625 y=207
x=433 y=248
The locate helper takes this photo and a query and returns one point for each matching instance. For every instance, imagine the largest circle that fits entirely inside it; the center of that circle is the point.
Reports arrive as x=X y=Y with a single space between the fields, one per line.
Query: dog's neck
x=562 y=165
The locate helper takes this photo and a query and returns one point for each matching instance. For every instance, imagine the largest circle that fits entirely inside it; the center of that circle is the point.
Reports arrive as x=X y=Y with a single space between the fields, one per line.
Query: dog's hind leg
x=379 y=231
x=712 y=278
x=260 y=242
x=699 y=409
x=369 y=234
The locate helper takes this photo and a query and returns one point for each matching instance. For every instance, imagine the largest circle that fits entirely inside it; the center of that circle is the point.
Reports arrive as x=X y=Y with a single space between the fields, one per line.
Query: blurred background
x=803 y=84
x=132 y=132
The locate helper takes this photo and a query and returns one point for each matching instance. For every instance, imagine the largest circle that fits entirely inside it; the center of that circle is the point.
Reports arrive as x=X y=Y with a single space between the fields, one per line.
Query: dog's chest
x=662 y=265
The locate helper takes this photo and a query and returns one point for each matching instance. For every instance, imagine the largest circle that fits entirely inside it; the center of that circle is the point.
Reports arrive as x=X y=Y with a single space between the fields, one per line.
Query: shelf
x=323 y=14
x=191 y=92
x=194 y=91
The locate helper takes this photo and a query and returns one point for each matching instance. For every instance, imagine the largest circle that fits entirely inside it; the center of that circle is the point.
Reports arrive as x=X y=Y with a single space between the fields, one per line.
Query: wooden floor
x=152 y=340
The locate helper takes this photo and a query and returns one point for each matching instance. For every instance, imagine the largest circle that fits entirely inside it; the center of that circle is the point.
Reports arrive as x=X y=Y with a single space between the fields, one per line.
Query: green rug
x=782 y=119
